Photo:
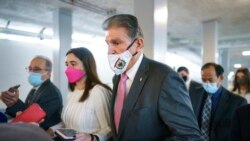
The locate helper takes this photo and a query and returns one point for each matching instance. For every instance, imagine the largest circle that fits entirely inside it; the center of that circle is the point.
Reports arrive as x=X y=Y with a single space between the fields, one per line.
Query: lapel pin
x=140 y=79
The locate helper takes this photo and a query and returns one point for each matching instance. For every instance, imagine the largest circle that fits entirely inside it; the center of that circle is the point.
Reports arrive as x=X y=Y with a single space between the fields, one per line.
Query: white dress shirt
x=131 y=73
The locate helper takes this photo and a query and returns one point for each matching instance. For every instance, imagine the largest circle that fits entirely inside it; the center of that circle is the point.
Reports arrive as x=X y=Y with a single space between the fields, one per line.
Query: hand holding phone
x=65 y=133
x=34 y=113
x=11 y=96
x=14 y=88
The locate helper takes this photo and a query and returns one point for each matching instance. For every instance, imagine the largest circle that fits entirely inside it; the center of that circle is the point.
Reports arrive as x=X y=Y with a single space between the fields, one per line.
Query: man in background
x=43 y=92
x=214 y=105
x=190 y=84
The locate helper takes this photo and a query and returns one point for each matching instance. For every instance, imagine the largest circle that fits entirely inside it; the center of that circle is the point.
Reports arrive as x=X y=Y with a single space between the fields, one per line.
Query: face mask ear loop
x=131 y=46
x=134 y=53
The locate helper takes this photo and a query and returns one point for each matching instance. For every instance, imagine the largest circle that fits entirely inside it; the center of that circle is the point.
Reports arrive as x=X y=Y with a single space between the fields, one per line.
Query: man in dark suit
x=223 y=104
x=44 y=92
x=190 y=84
x=157 y=106
x=240 y=126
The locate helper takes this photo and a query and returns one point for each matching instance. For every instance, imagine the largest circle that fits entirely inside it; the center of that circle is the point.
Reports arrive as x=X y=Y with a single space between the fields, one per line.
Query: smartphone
x=66 y=133
x=34 y=113
x=14 y=88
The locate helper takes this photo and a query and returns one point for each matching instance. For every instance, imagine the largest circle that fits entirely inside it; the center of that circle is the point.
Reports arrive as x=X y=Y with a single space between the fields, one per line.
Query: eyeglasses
x=35 y=69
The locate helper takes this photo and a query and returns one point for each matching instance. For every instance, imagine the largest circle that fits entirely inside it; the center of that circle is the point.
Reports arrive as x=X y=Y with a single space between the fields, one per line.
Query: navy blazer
x=157 y=107
x=222 y=117
x=241 y=125
x=49 y=98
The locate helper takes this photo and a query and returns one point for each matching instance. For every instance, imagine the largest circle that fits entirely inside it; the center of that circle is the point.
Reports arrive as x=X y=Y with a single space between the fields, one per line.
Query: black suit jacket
x=241 y=125
x=193 y=86
x=222 y=117
x=157 y=107
x=49 y=98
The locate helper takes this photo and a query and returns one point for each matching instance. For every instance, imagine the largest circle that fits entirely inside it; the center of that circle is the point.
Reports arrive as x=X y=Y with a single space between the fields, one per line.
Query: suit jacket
x=193 y=86
x=241 y=125
x=157 y=107
x=49 y=98
x=222 y=117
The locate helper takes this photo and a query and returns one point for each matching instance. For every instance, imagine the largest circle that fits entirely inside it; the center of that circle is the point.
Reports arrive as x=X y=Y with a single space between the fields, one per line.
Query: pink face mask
x=74 y=75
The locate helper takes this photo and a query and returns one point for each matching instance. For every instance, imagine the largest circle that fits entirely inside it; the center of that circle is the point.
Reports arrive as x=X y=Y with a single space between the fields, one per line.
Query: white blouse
x=244 y=94
x=92 y=115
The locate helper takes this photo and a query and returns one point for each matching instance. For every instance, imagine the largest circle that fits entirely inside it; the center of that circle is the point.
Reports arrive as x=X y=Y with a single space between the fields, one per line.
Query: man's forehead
x=183 y=72
x=117 y=38
x=209 y=73
x=208 y=69
x=38 y=61
x=116 y=31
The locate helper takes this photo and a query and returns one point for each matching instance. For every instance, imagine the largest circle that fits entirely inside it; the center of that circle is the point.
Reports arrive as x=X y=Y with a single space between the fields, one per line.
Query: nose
x=111 y=50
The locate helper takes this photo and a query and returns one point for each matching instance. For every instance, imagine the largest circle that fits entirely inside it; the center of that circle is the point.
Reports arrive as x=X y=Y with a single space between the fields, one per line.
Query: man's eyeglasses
x=35 y=69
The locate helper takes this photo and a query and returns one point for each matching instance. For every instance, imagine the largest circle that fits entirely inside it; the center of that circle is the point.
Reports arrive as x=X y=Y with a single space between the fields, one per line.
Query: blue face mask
x=35 y=79
x=210 y=88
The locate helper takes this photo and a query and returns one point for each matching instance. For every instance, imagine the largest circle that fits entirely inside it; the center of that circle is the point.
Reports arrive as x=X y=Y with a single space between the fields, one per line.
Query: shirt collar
x=132 y=71
x=217 y=93
x=187 y=83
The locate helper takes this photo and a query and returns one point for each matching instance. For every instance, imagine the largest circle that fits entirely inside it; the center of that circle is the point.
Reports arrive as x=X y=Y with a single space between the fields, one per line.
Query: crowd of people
x=149 y=101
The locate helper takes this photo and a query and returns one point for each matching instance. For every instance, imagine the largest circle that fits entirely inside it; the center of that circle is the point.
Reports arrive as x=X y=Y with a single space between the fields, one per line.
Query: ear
x=48 y=74
x=222 y=77
x=140 y=44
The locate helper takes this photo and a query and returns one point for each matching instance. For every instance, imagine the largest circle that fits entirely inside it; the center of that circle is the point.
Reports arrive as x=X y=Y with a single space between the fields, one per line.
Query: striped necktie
x=30 y=97
x=206 y=117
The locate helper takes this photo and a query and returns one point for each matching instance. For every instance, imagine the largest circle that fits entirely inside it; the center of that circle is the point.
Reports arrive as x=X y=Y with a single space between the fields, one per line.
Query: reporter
x=43 y=92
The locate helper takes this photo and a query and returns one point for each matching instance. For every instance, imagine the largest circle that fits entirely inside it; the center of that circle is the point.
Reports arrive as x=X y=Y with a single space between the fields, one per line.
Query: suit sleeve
x=19 y=106
x=235 y=128
x=176 y=110
x=52 y=105
x=243 y=102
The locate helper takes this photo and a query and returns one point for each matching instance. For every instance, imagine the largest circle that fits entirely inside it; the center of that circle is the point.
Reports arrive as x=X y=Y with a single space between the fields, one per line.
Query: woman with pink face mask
x=88 y=102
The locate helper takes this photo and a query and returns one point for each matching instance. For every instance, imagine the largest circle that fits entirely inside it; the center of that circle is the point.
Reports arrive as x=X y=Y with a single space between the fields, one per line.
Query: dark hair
x=89 y=65
x=182 y=68
x=218 y=68
x=48 y=63
x=127 y=21
x=246 y=72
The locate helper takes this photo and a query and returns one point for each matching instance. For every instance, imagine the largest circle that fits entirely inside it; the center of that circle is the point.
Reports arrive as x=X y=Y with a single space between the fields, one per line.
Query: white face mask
x=119 y=62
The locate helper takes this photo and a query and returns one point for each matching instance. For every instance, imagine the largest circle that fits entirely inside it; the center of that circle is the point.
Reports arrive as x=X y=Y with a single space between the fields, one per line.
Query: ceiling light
x=26 y=39
x=3 y=23
x=81 y=37
x=48 y=31
x=22 y=27
x=245 y=53
x=18 y=38
x=237 y=65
